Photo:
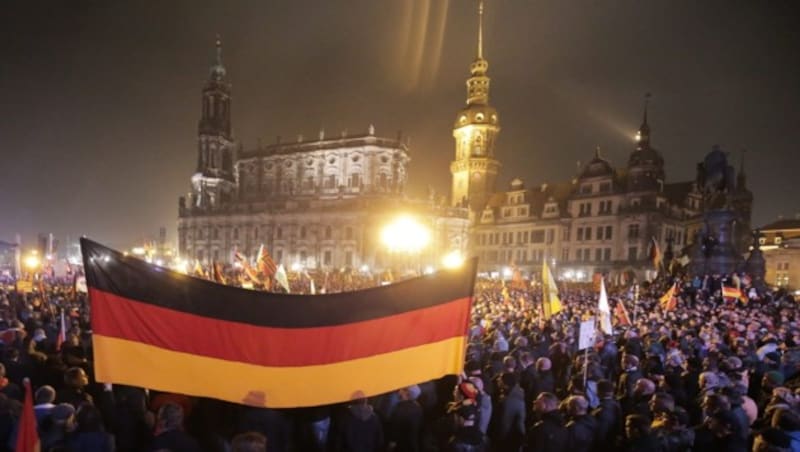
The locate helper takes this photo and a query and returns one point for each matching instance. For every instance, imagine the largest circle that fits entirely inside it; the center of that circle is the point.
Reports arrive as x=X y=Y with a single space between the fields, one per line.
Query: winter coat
x=511 y=420
x=359 y=430
x=609 y=421
x=547 y=435
x=582 y=433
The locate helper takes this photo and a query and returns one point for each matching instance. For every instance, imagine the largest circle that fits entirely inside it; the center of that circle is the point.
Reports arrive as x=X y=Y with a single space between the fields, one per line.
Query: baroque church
x=322 y=203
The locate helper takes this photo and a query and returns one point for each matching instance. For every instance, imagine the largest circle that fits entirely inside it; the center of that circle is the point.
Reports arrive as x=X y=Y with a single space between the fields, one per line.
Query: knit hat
x=413 y=392
x=468 y=390
x=774 y=377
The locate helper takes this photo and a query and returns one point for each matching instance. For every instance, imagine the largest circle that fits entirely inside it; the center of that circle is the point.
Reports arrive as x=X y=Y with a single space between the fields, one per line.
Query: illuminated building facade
x=603 y=220
x=780 y=243
x=319 y=203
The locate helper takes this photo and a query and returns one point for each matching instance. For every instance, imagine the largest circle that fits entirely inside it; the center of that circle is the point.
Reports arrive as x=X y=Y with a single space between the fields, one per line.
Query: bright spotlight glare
x=579 y=275
x=296 y=267
x=32 y=261
x=507 y=272
x=139 y=251
x=364 y=268
x=453 y=259
x=182 y=266
x=159 y=262
x=405 y=235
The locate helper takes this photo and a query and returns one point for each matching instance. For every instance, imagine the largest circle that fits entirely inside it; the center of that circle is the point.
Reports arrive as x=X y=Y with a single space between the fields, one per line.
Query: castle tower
x=645 y=165
x=475 y=168
x=214 y=180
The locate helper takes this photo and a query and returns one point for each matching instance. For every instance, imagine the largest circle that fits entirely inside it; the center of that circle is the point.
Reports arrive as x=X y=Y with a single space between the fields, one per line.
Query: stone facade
x=320 y=204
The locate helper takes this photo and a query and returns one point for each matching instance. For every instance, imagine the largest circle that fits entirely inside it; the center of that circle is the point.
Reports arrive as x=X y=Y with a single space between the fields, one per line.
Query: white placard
x=586 y=335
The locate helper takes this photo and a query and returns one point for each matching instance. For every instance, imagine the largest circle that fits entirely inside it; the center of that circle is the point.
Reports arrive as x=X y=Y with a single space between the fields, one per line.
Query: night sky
x=101 y=98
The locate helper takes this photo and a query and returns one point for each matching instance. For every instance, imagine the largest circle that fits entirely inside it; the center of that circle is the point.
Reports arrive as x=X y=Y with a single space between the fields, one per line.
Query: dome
x=645 y=156
x=597 y=167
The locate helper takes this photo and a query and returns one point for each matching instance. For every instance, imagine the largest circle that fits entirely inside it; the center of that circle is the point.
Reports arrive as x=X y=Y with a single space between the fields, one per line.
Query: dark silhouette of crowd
x=710 y=375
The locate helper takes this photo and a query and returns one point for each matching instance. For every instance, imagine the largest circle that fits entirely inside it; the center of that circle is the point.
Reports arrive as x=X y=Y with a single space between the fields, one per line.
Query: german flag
x=733 y=292
x=669 y=301
x=163 y=330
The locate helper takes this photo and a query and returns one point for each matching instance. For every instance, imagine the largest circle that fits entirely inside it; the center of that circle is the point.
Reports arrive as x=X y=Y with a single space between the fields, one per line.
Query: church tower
x=214 y=180
x=475 y=168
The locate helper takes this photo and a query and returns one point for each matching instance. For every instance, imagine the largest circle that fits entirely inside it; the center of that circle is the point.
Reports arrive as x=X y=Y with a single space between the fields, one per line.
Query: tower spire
x=218 y=70
x=219 y=50
x=480 y=29
x=643 y=135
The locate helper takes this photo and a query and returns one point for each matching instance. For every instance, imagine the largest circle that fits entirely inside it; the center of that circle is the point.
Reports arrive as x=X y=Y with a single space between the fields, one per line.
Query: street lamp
x=453 y=259
x=32 y=261
x=406 y=235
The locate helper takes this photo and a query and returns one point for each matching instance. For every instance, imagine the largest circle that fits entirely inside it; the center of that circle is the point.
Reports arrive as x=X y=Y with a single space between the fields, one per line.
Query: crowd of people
x=709 y=374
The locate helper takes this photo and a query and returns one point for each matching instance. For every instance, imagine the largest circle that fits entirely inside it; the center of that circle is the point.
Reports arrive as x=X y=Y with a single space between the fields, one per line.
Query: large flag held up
x=669 y=301
x=550 y=300
x=162 y=330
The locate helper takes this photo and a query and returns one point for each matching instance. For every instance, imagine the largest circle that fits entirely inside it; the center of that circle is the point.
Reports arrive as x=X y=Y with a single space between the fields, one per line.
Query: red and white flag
x=62 y=333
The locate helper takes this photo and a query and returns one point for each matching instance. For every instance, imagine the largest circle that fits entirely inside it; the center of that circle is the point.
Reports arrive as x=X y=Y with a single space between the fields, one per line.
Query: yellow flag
x=550 y=301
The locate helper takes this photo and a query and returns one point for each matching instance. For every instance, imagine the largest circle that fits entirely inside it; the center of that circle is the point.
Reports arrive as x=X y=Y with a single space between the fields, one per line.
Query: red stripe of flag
x=116 y=316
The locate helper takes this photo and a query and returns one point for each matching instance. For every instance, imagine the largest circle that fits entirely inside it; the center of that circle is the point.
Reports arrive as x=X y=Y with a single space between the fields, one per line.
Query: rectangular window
x=608 y=232
x=537 y=236
x=525 y=237
x=279 y=256
x=327 y=258
x=632 y=253
x=605 y=187
x=607 y=254
x=588 y=234
x=279 y=233
x=565 y=254
x=201 y=255
x=599 y=233
x=633 y=231
x=580 y=234
x=565 y=234
x=598 y=254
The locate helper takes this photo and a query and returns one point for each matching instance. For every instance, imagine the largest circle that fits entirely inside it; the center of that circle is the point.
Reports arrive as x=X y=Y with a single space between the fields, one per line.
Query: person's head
x=577 y=405
x=249 y=442
x=708 y=380
x=636 y=426
x=45 y=394
x=170 y=417
x=409 y=393
x=465 y=390
x=723 y=423
x=713 y=403
x=63 y=417
x=644 y=387
x=605 y=388
x=508 y=380
x=545 y=403
x=543 y=364
x=509 y=363
x=76 y=378
x=630 y=362
x=786 y=420
x=661 y=403
x=772 y=440
x=89 y=419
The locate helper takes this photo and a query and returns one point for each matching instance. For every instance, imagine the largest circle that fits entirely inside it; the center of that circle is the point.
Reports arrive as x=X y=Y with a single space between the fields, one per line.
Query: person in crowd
x=358 y=429
x=249 y=442
x=581 y=427
x=638 y=435
x=169 y=433
x=43 y=402
x=405 y=422
x=510 y=413
x=548 y=433
x=608 y=415
x=90 y=434
x=74 y=390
